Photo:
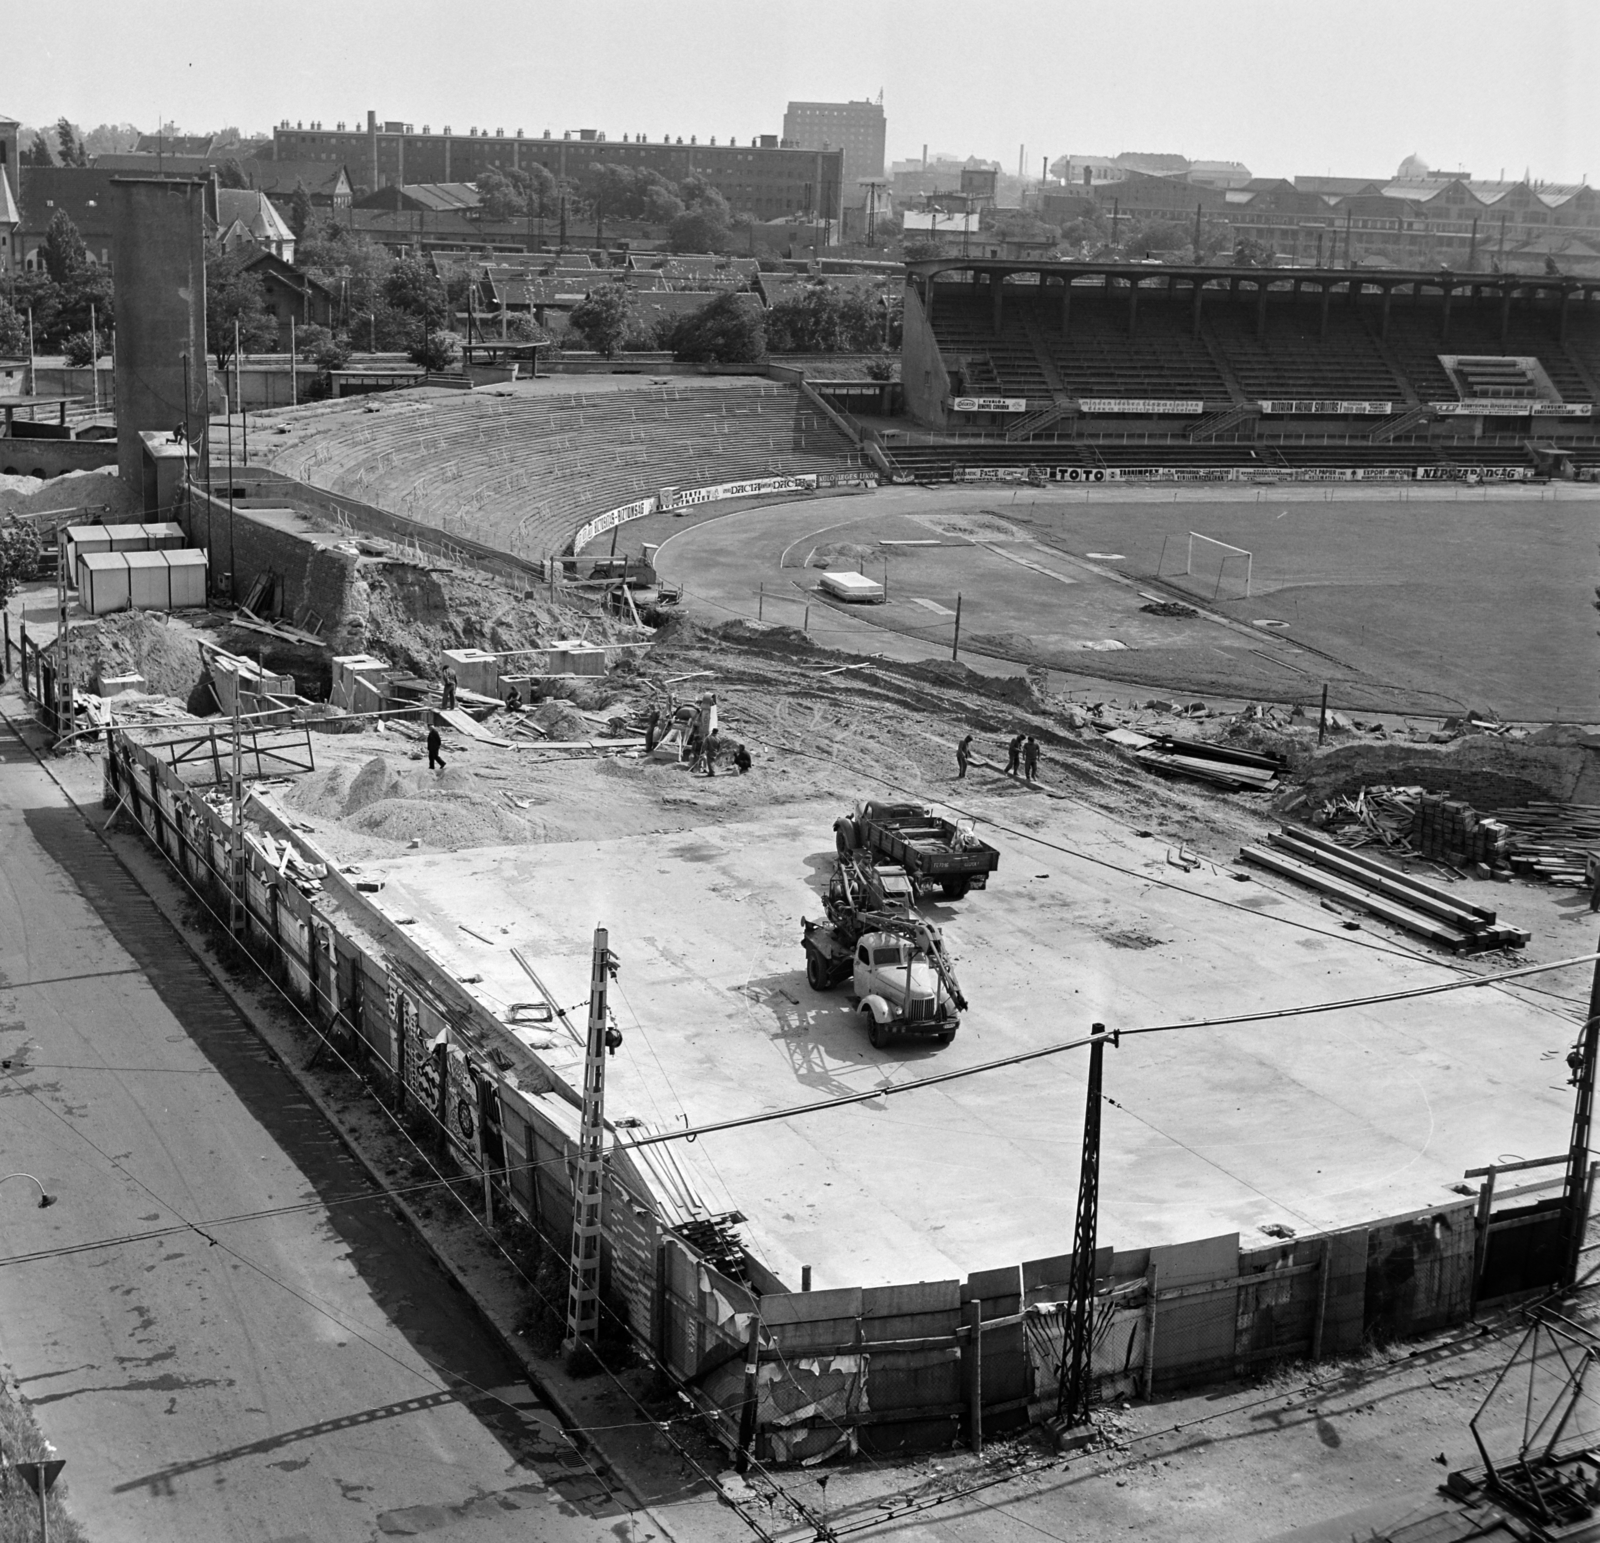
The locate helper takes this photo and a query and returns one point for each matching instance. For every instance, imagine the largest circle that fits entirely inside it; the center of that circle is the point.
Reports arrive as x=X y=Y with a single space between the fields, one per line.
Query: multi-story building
x=857 y=128
x=763 y=179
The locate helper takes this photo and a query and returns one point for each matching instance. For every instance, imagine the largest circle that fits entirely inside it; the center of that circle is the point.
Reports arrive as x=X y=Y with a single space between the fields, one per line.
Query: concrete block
x=116 y=685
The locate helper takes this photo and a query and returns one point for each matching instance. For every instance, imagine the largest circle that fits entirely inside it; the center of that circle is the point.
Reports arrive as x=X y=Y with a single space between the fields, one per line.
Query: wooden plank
x=459 y=720
x=1395 y=885
x=1233 y=1282
x=1383 y=870
x=1390 y=911
x=1527 y=1162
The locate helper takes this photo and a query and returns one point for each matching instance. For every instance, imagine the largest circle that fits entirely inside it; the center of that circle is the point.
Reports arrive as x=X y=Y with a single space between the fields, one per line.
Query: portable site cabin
x=854 y=587
x=103 y=582
x=150 y=581
x=165 y=535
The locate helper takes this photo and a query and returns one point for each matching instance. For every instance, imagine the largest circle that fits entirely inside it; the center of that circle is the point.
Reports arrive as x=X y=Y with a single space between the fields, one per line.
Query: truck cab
x=900 y=991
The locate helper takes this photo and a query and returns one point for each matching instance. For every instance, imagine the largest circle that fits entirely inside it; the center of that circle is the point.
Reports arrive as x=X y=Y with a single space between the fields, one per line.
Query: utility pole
x=294 y=383
x=1574 y=1214
x=1077 y=1373
x=238 y=383
x=94 y=358
x=583 y=1282
x=236 y=831
x=66 y=716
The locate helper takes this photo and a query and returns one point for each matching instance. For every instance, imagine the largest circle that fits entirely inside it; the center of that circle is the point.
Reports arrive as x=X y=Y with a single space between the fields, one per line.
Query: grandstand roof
x=1187 y=273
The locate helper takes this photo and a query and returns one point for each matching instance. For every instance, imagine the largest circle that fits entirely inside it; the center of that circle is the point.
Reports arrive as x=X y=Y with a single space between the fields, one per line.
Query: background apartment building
x=763 y=178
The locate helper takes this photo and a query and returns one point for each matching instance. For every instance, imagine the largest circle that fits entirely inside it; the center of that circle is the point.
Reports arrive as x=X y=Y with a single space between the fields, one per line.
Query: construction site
x=1119 y=940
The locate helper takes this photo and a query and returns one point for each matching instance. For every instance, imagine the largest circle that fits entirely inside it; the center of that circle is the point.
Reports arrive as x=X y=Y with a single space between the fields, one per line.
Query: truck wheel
x=956 y=889
x=816 y=972
x=944 y=1039
x=845 y=836
x=875 y=1034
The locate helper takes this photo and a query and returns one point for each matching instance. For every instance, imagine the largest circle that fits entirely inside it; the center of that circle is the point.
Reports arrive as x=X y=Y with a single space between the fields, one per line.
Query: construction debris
x=1217 y=764
x=1367 y=883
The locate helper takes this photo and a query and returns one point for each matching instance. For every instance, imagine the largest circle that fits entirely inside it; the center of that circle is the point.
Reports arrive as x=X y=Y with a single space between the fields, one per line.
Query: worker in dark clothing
x=713 y=750
x=741 y=760
x=448 y=680
x=1591 y=874
x=963 y=756
x=513 y=700
x=1030 y=759
x=435 y=760
x=651 y=723
x=1013 y=755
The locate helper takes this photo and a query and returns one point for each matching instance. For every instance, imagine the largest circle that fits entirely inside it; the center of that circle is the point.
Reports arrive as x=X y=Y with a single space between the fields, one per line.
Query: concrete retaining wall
x=52 y=457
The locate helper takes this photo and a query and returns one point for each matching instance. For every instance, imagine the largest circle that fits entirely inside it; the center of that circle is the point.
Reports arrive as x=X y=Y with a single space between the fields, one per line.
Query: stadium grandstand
x=1127 y=365
x=529 y=468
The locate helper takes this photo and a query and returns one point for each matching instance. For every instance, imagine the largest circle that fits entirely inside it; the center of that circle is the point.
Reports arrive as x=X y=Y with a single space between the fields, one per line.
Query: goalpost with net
x=1226 y=554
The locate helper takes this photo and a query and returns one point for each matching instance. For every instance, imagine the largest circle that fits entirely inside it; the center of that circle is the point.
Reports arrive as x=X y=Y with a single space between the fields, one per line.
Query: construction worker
x=513 y=700
x=435 y=760
x=713 y=749
x=448 y=680
x=963 y=756
x=741 y=760
x=1013 y=755
x=1591 y=874
x=1030 y=759
x=650 y=726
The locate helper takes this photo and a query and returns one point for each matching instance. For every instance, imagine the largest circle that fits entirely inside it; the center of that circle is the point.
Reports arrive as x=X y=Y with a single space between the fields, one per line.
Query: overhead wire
x=1058 y=1047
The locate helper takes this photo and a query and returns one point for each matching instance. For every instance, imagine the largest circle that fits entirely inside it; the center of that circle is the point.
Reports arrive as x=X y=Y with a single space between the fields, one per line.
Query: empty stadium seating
x=522 y=472
x=1296 y=356
x=1293 y=359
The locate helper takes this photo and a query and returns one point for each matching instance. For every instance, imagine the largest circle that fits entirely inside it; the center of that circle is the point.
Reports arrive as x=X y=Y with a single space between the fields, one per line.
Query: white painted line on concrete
x=934 y=606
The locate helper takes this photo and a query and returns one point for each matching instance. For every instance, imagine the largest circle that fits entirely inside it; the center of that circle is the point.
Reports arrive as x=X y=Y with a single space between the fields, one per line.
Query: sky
x=1286 y=86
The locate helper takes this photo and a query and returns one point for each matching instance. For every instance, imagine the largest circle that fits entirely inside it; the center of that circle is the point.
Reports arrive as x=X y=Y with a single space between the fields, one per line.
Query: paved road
x=304 y=1376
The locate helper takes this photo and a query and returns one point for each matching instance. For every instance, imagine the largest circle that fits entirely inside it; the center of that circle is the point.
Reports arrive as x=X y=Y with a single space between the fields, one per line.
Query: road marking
x=934 y=606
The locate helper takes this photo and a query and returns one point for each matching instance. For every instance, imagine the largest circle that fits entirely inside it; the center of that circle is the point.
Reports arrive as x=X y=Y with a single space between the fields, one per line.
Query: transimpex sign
x=1517 y=408
x=1300 y=407
x=989 y=404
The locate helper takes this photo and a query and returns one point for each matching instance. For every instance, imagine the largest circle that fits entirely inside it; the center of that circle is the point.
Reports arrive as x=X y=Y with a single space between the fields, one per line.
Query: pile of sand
x=558 y=720
x=139 y=643
x=442 y=823
x=93 y=491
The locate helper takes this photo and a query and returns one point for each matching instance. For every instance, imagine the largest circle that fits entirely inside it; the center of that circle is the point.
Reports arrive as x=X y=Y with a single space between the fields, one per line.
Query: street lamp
x=45 y=1200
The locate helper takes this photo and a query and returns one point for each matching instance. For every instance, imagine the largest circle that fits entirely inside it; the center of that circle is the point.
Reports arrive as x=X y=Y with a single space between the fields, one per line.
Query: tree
x=13 y=331
x=81 y=349
x=65 y=255
x=72 y=150
x=38 y=152
x=696 y=231
x=604 y=317
x=412 y=286
x=19 y=557
x=235 y=295
x=522 y=328
x=231 y=175
x=436 y=351
x=515 y=193
x=1249 y=253
x=299 y=209
x=728 y=330
x=110 y=138
x=920 y=249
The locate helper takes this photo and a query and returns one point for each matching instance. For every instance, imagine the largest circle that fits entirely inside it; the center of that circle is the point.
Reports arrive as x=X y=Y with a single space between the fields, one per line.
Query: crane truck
x=900 y=972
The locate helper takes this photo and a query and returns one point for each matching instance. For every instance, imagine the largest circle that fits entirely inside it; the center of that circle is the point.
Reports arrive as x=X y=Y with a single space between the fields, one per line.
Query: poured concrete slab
x=1310 y=1122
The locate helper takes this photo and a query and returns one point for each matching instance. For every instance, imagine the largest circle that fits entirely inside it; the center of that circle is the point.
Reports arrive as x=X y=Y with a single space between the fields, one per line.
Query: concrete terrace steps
x=523 y=472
